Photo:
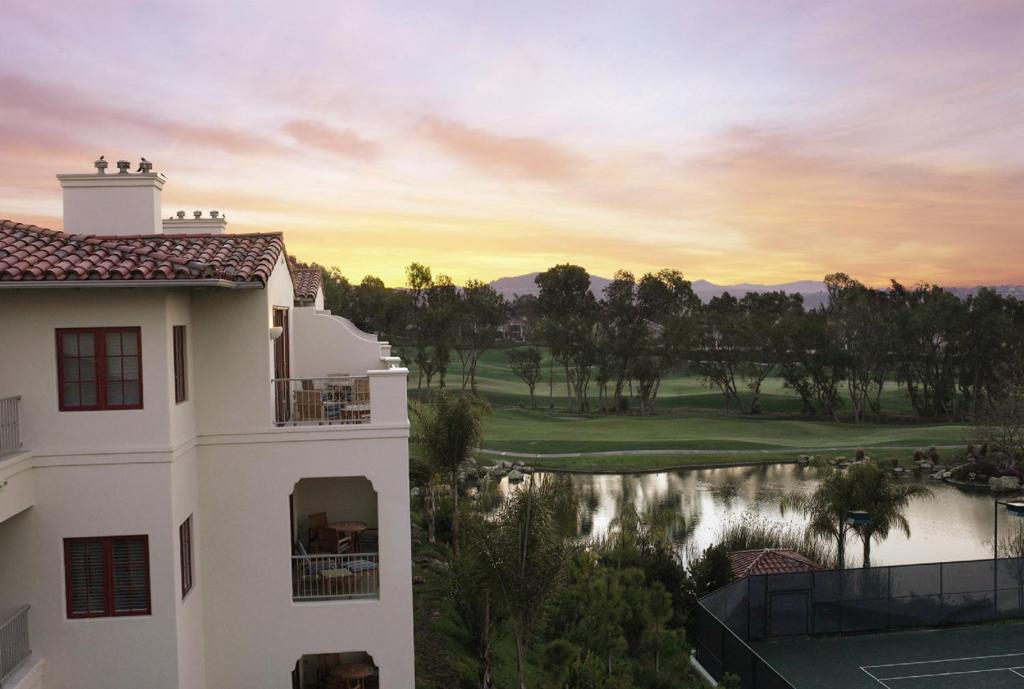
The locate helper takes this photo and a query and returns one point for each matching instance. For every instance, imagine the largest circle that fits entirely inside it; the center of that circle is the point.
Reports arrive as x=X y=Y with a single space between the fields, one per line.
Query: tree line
x=950 y=356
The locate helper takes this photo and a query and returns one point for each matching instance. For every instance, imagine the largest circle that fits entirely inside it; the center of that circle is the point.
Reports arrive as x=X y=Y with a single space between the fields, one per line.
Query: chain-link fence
x=850 y=601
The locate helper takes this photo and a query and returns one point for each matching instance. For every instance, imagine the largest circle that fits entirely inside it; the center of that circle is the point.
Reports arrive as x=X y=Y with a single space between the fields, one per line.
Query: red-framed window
x=99 y=368
x=107 y=576
x=180 y=364
x=185 y=541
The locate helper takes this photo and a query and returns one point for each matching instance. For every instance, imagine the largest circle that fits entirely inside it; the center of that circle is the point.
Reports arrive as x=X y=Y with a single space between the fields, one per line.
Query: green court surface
x=982 y=657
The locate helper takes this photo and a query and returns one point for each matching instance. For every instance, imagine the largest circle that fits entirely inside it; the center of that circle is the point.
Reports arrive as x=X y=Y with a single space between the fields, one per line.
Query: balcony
x=335 y=400
x=14 y=645
x=323 y=577
x=10 y=437
x=336 y=540
x=336 y=671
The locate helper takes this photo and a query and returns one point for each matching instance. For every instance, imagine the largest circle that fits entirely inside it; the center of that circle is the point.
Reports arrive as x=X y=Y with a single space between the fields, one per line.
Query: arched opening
x=354 y=670
x=335 y=539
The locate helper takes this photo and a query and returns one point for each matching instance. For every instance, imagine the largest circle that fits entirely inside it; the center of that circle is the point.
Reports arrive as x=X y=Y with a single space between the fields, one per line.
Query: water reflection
x=953 y=525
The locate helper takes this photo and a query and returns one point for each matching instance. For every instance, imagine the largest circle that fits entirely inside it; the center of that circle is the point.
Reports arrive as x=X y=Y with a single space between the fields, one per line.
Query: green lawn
x=690 y=418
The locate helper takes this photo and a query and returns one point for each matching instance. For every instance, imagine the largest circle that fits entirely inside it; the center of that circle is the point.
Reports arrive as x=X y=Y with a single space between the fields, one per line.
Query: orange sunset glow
x=734 y=141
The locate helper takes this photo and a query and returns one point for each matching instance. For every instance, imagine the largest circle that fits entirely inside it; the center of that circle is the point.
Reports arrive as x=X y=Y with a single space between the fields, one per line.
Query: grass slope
x=691 y=427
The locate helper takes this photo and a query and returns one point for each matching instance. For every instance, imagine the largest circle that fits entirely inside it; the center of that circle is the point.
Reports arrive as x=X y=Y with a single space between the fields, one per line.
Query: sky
x=736 y=141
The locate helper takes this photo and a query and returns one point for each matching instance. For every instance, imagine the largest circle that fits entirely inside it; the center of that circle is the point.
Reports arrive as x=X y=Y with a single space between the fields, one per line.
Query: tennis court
x=981 y=657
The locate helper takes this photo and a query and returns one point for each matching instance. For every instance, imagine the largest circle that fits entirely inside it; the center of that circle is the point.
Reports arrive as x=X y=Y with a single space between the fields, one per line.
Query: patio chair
x=369 y=541
x=317 y=521
x=309 y=406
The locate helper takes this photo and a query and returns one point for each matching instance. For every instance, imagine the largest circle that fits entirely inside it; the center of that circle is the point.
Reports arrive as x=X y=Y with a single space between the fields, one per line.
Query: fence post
x=942 y=596
x=888 y=599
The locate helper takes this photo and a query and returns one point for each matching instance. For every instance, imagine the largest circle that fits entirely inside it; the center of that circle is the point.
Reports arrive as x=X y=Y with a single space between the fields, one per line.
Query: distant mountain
x=523 y=285
x=813 y=291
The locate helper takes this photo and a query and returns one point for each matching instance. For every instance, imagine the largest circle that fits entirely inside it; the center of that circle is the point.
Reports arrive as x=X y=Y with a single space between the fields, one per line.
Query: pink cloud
x=344 y=142
x=517 y=155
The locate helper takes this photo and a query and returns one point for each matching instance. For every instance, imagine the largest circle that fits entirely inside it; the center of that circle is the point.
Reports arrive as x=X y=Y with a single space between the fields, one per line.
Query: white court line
x=946 y=660
x=1014 y=671
x=873 y=677
x=946 y=674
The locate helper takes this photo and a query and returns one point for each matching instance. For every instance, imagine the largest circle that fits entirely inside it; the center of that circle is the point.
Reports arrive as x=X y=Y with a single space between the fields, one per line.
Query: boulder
x=1003 y=484
x=515 y=476
x=926 y=465
x=803 y=459
x=898 y=470
x=415 y=492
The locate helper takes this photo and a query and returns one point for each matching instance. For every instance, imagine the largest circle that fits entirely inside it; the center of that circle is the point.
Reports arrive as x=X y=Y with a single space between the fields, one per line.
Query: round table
x=350 y=529
x=353 y=674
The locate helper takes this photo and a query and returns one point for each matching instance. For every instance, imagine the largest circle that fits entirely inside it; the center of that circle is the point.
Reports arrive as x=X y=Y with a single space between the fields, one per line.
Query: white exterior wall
x=90 y=496
x=112 y=204
x=217 y=457
x=255 y=632
x=30 y=369
x=190 y=630
x=324 y=344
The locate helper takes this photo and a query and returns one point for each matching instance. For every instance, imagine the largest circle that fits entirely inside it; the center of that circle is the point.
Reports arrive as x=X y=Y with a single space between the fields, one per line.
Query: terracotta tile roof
x=30 y=253
x=746 y=563
x=306 y=282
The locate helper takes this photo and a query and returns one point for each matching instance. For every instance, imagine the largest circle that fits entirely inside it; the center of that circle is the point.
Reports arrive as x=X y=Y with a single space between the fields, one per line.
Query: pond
x=952 y=525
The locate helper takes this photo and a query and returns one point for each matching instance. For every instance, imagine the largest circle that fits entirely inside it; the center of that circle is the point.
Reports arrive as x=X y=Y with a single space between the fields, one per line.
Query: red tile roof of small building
x=35 y=254
x=747 y=563
x=306 y=282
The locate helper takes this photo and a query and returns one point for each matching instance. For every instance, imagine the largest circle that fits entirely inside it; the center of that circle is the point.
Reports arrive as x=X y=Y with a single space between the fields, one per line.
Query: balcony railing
x=321 y=576
x=14 y=646
x=321 y=401
x=10 y=438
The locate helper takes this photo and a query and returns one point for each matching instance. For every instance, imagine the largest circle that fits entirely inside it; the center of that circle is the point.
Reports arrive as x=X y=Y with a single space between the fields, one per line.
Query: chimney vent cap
x=197 y=214
x=214 y=214
x=145 y=166
x=122 y=167
x=101 y=166
x=181 y=215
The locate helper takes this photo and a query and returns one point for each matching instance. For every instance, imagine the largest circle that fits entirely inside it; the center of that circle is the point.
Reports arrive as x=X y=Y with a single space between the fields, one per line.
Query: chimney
x=179 y=224
x=113 y=204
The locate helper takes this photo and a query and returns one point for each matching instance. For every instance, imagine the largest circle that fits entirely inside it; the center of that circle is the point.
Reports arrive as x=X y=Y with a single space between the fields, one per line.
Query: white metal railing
x=10 y=438
x=332 y=400
x=14 y=646
x=324 y=576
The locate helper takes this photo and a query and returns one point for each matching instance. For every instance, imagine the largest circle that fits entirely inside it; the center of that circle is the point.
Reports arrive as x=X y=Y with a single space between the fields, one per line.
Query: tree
x=812 y=363
x=740 y=347
x=1000 y=421
x=568 y=313
x=623 y=331
x=928 y=322
x=418 y=280
x=525 y=363
x=827 y=508
x=473 y=584
x=449 y=435
x=862 y=323
x=667 y=307
x=530 y=551
x=885 y=501
x=482 y=310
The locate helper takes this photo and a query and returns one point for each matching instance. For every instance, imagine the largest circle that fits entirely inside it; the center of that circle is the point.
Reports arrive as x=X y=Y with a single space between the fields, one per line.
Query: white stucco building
x=203 y=474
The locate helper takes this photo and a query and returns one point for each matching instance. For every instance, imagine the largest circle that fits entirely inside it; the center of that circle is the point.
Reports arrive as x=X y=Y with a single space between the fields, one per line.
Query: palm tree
x=885 y=501
x=449 y=435
x=826 y=508
x=864 y=487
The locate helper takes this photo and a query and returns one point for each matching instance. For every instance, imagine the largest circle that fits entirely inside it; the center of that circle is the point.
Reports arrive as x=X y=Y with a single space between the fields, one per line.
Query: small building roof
x=747 y=563
x=31 y=254
x=306 y=282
